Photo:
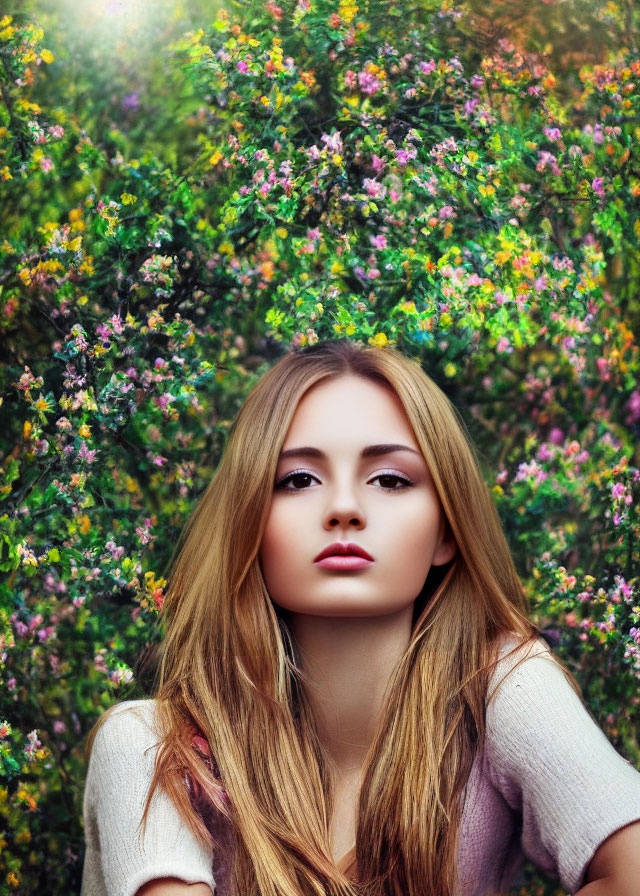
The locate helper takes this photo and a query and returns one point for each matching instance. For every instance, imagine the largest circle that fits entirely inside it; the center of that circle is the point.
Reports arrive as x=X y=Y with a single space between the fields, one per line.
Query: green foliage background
x=187 y=193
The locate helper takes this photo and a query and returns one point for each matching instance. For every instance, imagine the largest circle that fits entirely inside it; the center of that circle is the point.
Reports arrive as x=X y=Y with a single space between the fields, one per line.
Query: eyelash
x=280 y=484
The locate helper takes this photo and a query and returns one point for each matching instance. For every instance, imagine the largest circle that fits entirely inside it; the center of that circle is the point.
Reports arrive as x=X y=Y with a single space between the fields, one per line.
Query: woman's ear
x=447 y=546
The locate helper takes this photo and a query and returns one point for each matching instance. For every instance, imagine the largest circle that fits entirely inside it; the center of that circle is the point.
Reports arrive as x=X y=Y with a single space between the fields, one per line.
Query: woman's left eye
x=392 y=481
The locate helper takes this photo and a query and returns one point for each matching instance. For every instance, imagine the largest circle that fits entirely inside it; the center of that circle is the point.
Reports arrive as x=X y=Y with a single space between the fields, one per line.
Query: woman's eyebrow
x=369 y=451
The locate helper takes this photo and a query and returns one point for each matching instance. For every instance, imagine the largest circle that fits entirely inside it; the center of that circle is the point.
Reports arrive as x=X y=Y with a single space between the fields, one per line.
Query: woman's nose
x=344 y=508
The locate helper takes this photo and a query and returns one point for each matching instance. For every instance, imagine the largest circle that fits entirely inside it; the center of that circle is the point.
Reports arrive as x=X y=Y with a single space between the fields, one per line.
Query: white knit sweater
x=548 y=785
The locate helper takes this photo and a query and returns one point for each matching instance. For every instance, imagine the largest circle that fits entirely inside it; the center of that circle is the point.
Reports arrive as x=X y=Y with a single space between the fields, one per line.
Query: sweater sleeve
x=118 y=861
x=554 y=766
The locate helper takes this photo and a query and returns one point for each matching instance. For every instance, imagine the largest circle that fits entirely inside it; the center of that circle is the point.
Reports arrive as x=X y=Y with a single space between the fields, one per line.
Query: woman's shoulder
x=127 y=727
x=516 y=659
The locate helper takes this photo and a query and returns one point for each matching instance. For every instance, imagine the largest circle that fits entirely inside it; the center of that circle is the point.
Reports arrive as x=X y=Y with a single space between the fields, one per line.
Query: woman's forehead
x=349 y=408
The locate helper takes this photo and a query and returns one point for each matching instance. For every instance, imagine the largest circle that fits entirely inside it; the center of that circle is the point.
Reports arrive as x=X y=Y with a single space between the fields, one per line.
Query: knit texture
x=548 y=785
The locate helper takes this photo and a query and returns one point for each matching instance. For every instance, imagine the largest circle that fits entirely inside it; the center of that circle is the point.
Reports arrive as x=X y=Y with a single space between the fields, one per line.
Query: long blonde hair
x=228 y=667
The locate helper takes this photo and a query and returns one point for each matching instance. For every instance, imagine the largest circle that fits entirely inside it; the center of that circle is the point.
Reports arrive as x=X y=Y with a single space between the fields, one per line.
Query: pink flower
x=405 y=155
x=547 y=160
x=603 y=367
x=377 y=163
x=46 y=164
x=369 y=84
x=374 y=188
x=553 y=134
x=242 y=67
x=33 y=744
x=597 y=186
x=85 y=454
x=544 y=453
x=633 y=407
x=379 y=241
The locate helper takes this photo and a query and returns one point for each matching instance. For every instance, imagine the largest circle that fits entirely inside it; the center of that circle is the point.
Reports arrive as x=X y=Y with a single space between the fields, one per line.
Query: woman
x=351 y=698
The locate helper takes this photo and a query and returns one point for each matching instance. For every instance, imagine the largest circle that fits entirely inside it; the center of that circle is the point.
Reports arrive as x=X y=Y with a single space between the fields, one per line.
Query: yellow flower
x=84 y=431
x=85 y=524
x=379 y=339
x=347 y=10
x=29 y=107
x=74 y=245
x=215 y=158
x=41 y=404
x=226 y=248
x=128 y=198
x=12 y=879
x=450 y=370
x=282 y=232
x=5 y=20
x=46 y=56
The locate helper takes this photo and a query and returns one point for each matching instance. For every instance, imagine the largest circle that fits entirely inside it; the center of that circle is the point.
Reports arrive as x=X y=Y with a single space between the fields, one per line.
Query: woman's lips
x=344 y=556
x=344 y=562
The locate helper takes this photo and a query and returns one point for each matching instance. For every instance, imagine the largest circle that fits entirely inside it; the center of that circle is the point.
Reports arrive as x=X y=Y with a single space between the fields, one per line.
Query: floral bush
x=457 y=180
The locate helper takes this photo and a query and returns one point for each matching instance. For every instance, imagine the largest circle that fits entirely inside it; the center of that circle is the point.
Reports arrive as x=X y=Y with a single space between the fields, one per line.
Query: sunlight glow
x=115 y=15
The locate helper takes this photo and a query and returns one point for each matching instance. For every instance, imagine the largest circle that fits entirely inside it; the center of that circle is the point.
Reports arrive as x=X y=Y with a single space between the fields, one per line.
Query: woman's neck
x=348 y=662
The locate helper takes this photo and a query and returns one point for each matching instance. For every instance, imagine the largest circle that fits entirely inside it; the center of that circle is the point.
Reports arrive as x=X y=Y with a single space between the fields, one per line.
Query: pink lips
x=342 y=556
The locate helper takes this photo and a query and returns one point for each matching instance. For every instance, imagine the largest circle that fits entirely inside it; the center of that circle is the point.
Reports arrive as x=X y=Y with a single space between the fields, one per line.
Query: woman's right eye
x=299 y=481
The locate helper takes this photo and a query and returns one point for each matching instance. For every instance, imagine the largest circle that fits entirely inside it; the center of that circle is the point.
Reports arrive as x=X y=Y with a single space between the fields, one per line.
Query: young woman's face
x=351 y=473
